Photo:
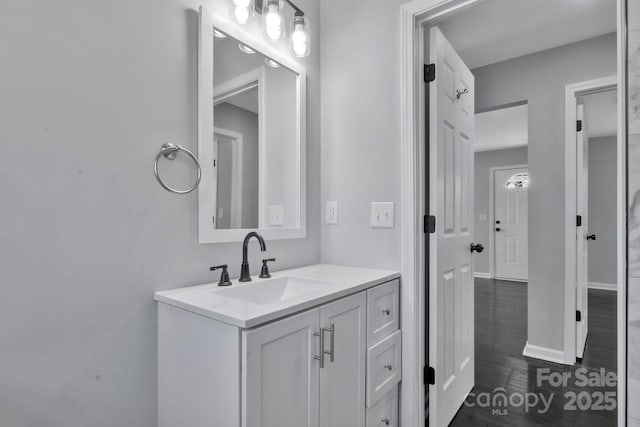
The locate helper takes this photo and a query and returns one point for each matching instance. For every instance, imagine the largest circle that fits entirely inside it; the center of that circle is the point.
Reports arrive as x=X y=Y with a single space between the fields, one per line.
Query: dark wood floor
x=501 y=331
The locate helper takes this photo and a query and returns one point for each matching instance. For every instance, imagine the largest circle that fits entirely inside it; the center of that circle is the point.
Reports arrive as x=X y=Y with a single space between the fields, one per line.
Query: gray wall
x=90 y=89
x=484 y=161
x=602 y=210
x=360 y=57
x=540 y=79
x=244 y=122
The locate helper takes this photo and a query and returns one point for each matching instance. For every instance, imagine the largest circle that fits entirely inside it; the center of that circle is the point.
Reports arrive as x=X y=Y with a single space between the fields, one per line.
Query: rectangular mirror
x=251 y=112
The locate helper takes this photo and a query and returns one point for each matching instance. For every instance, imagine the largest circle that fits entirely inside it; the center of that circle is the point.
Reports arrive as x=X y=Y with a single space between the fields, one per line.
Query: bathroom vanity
x=318 y=346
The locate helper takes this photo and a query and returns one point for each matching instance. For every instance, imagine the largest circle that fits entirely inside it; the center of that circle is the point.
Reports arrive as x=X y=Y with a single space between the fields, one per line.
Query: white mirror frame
x=206 y=204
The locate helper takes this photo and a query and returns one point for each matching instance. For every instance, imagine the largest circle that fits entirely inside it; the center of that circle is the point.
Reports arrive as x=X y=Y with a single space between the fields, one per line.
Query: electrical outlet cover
x=276 y=216
x=331 y=213
x=382 y=214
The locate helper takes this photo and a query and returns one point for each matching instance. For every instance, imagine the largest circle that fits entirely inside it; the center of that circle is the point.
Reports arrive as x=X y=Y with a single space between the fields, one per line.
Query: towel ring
x=170 y=151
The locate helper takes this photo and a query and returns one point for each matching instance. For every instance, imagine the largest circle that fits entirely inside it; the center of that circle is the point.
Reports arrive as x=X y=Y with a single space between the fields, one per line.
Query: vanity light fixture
x=273 y=22
x=242 y=11
x=271 y=63
x=219 y=34
x=246 y=49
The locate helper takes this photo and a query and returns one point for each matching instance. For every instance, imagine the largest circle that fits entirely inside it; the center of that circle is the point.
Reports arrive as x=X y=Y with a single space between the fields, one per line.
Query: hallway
x=501 y=330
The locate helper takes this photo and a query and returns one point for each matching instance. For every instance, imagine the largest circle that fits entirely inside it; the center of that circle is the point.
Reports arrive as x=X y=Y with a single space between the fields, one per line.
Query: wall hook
x=459 y=92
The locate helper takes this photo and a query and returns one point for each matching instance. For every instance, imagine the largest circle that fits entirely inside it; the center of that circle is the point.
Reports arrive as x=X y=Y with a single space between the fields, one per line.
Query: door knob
x=498 y=229
x=498 y=222
x=477 y=248
x=591 y=237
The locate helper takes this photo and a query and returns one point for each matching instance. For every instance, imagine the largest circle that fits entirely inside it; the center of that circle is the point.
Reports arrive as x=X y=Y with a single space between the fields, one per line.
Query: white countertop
x=341 y=281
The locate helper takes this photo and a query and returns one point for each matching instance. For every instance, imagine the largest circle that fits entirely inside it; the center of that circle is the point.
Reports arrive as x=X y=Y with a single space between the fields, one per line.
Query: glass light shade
x=246 y=49
x=300 y=41
x=273 y=20
x=242 y=11
x=271 y=63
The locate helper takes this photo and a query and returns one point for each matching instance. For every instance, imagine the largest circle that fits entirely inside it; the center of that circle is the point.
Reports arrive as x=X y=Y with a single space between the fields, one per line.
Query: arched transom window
x=519 y=180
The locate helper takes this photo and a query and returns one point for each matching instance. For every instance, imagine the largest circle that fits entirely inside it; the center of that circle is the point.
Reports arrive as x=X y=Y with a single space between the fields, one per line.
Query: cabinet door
x=280 y=376
x=342 y=379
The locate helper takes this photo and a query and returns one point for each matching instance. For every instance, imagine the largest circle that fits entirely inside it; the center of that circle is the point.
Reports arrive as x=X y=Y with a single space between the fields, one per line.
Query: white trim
x=492 y=218
x=236 y=174
x=572 y=92
x=603 y=286
x=500 y=147
x=479 y=275
x=544 y=353
x=412 y=14
x=622 y=35
x=206 y=232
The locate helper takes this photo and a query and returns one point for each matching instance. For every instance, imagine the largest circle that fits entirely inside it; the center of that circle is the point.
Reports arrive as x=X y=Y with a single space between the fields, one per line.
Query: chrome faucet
x=245 y=274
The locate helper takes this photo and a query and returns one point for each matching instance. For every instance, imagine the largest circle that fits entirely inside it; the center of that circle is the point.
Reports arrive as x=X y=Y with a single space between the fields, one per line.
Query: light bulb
x=219 y=34
x=241 y=14
x=246 y=49
x=242 y=11
x=271 y=63
x=299 y=41
x=273 y=20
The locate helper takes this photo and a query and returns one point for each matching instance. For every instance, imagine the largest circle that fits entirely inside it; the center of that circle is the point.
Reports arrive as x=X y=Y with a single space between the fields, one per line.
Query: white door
x=342 y=378
x=510 y=227
x=451 y=317
x=281 y=373
x=582 y=196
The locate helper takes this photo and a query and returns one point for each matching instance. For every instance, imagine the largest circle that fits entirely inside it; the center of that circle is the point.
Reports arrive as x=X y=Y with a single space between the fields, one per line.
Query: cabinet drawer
x=383 y=367
x=383 y=311
x=385 y=412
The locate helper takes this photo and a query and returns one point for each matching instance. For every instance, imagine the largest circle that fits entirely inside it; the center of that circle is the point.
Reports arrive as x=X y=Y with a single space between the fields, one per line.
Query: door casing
x=414 y=16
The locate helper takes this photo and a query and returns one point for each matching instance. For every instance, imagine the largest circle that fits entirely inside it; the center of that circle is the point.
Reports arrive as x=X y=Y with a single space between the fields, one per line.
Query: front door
x=451 y=291
x=510 y=227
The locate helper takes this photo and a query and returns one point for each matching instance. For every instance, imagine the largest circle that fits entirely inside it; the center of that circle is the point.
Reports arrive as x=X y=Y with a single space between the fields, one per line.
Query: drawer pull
x=386 y=311
x=389 y=366
x=385 y=421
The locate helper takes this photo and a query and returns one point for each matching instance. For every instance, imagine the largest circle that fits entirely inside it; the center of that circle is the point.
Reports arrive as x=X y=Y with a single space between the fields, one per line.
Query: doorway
x=430 y=13
x=510 y=222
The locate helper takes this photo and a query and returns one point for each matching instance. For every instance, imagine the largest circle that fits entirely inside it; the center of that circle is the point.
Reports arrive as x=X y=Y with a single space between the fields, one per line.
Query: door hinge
x=428 y=375
x=429 y=224
x=579 y=125
x=578 y=316
x=579 y=221
x=429 y=73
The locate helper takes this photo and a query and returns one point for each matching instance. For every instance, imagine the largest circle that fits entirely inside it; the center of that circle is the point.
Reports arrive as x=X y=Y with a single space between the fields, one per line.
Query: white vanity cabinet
x=286 y=383
x=335 y=364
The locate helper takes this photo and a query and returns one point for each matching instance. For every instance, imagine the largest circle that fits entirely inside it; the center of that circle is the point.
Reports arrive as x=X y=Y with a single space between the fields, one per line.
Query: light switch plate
x=276 y=214
x=331 y=213
x=382 y=214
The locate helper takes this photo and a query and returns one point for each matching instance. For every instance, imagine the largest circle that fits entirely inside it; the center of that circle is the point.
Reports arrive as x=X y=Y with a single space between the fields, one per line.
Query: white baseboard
x=544 y=353
x=603 y=286
x=480 y=275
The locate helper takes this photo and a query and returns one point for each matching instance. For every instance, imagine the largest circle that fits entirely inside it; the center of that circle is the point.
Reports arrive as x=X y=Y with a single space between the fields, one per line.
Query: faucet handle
x=224 y=276
x=264 y=273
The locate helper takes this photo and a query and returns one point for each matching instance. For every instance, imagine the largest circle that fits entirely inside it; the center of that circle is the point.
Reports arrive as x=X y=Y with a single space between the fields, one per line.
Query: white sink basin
x=270 y=291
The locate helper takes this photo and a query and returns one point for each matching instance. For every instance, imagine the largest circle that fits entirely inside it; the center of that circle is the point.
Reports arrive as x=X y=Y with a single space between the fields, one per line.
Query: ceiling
x=245 y=100
x=503 y=128
x=497 y=30
x=601 y=113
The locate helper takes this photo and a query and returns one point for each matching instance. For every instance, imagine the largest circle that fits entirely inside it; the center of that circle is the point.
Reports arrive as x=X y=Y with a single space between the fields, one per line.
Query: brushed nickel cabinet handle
x=389 y=366
x=332 y=342
x=321 y=357
x=385 y=421
x=386 y=311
